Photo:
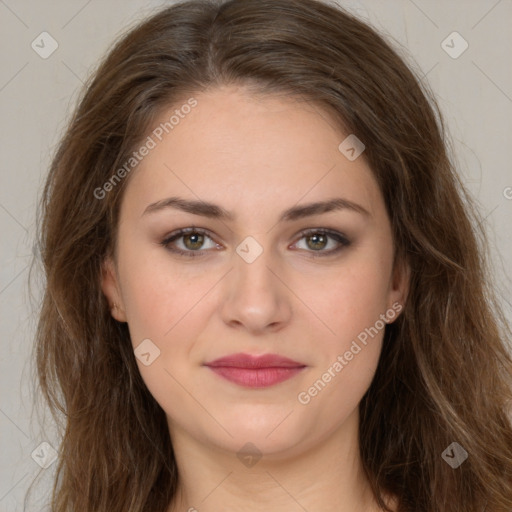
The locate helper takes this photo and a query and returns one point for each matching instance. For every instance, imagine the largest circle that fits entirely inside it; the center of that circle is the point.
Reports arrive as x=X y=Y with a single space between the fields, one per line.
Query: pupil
x=195 y=243
x=316 y=237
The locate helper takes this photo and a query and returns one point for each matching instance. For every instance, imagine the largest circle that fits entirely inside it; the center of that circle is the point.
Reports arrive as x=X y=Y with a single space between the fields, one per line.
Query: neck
x=326 y=476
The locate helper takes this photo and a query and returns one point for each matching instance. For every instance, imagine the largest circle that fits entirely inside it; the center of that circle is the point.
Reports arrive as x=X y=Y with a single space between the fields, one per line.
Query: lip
x=255 y=371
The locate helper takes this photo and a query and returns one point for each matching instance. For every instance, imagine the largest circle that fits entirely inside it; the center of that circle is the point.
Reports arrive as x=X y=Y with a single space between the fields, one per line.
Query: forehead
x=248 y=151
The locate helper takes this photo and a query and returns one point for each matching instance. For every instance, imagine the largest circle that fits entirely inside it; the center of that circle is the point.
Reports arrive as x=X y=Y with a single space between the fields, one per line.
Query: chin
x=272 y=434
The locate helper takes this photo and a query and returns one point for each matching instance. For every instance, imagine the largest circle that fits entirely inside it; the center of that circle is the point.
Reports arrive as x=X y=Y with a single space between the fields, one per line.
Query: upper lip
x=253 y=361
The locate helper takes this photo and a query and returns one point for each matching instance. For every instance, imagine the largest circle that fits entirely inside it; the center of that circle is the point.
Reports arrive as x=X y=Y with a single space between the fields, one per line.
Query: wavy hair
x=445 y=369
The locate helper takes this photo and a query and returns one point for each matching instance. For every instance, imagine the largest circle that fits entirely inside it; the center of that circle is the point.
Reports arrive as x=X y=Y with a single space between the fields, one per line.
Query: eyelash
x=338 y=237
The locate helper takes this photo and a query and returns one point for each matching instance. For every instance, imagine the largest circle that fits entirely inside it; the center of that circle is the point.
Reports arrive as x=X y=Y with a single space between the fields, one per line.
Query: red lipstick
x=255 y=371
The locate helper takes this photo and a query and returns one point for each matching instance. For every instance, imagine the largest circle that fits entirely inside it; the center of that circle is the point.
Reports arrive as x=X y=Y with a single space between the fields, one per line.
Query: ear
x=400 y=283
x=111 y=289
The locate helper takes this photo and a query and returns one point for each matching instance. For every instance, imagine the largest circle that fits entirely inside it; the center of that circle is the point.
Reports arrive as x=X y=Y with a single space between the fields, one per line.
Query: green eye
x=193 y=240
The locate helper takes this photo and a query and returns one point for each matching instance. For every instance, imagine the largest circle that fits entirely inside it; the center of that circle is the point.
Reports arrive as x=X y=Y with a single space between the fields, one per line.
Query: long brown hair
x=444 y=374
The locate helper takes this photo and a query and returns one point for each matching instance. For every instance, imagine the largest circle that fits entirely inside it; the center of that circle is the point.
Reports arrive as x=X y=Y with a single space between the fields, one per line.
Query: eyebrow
x=214 y=211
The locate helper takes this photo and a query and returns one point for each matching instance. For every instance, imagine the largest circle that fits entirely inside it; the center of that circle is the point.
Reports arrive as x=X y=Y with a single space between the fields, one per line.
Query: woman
x=265 y=284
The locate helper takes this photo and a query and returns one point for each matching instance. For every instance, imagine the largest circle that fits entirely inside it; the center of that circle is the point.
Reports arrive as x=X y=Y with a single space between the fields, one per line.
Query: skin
x=256 y=156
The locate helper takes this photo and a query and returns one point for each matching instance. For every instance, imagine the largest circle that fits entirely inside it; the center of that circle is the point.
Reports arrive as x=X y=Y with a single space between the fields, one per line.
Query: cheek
x=149 y=305
x=356 y=297
x=165 y=308
x=350 y=349
x=157 y=296
x=170 y=308
x=354 y=349
x=351 y=306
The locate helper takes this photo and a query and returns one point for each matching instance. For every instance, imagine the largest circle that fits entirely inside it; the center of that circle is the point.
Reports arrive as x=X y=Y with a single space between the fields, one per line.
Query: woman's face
x=258 y=274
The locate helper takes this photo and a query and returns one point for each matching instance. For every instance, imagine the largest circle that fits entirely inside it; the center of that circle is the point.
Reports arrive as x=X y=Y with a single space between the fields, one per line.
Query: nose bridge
x=252 y=263
x=255 y=296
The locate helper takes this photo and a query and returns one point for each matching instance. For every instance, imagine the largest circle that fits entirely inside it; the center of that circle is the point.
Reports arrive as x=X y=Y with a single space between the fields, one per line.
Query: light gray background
x=37 y=95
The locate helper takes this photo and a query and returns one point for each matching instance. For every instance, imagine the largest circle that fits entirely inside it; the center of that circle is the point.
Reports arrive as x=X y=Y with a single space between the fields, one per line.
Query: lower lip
x=256 y=377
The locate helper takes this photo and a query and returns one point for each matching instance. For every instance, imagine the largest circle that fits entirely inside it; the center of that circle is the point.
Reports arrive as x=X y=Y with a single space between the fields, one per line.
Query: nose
x=255 y=295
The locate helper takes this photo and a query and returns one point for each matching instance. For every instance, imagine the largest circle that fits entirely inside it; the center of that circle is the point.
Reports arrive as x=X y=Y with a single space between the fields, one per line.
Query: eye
x=318 y=239
x=193 y=240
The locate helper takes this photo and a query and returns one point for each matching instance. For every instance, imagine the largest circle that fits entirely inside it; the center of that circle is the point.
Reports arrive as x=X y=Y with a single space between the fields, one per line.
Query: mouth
x=255 y=371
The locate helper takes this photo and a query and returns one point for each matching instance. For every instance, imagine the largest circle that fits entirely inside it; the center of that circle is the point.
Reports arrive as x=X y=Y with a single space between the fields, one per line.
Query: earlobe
x=111 y=290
